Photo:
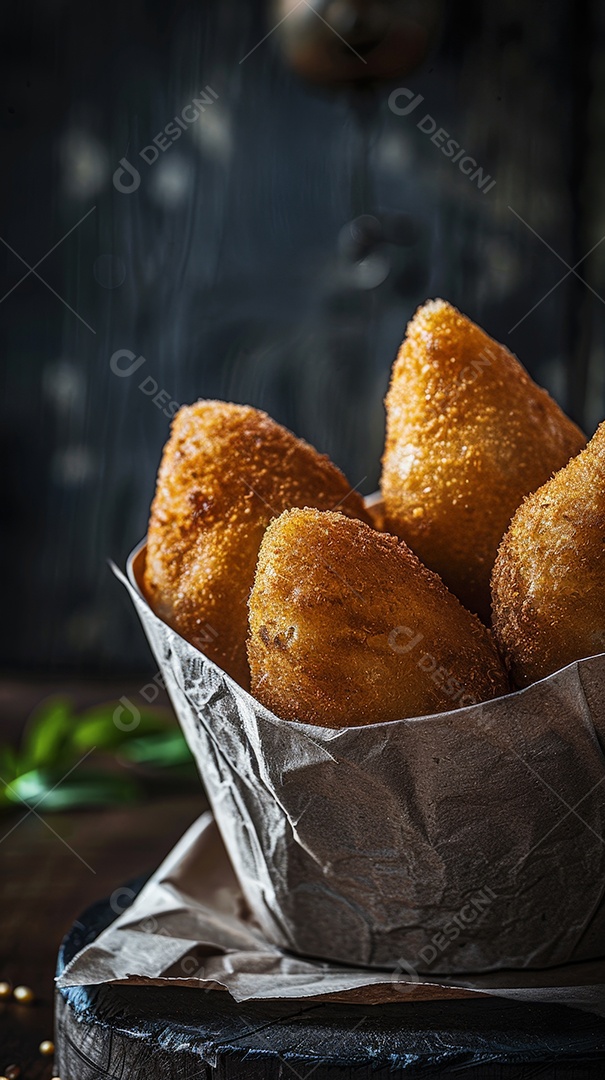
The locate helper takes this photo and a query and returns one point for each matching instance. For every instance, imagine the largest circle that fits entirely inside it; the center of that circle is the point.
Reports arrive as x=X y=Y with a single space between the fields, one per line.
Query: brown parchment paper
x=190 y=927
x=437 y=856
x=467 y=842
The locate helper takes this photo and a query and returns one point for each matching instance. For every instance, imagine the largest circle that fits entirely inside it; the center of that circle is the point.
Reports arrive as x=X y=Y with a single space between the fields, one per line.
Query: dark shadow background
x=232 y=268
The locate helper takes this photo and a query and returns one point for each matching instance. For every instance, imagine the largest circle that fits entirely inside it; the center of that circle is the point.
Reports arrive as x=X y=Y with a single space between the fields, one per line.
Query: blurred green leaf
x=158 y=751
x=46 y=736
x=98 y=727
x=9 y=766
x=46 y=787
x=55 y=739
x=96 y=732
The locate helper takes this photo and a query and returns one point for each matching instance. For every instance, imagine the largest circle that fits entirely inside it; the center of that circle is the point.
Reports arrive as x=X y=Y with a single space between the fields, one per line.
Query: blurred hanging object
x=352 y=41
x=351 y=47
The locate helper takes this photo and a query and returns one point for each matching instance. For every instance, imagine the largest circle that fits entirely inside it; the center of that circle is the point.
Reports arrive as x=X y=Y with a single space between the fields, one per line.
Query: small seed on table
x=24 y=995
x=5 y=990
x=47 y=1047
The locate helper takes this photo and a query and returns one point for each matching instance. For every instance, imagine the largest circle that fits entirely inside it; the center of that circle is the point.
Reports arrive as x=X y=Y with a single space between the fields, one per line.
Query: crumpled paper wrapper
x=190 y=926
x=471 y=841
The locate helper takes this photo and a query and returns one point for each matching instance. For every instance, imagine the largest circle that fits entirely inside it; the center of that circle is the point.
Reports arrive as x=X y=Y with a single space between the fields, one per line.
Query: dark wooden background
x=229 y=269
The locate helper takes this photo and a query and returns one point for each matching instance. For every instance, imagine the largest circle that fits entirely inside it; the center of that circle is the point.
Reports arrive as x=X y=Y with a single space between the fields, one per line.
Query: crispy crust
x=347 y=627
x=548 y=584
x=469 y=434
x=226 y=471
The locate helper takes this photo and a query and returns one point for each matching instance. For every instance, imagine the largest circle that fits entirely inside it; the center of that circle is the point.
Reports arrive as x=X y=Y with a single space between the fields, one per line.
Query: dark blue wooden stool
x=139 y=1033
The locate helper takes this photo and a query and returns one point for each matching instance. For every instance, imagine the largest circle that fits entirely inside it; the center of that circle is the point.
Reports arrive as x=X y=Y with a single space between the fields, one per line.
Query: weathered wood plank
x=132 y=1032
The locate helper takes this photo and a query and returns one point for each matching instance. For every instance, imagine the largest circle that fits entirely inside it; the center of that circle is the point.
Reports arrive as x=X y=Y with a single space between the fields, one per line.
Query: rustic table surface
x=52 y=867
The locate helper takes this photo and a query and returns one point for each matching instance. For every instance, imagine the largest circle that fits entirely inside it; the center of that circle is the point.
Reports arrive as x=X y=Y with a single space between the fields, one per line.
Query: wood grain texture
x=227 y=270
x=147 y=1032
x=43 y=885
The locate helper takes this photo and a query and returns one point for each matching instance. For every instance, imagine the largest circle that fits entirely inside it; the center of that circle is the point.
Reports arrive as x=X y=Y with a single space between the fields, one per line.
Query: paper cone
x=463 y=842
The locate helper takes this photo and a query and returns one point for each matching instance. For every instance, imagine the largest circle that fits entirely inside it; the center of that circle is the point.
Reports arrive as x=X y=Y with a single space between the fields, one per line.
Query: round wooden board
x=143 y=1033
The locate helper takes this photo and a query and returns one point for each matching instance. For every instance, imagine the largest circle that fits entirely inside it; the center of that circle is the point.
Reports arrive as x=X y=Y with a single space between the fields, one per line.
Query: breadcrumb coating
x=469 y=434
x=226 y=471
x=347 y=627
x=548 y=583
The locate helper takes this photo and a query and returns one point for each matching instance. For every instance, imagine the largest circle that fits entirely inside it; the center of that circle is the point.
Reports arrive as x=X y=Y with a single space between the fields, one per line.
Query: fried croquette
x=548 y=584
x=226 y=471
x=347 y=627
x=469 y=434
